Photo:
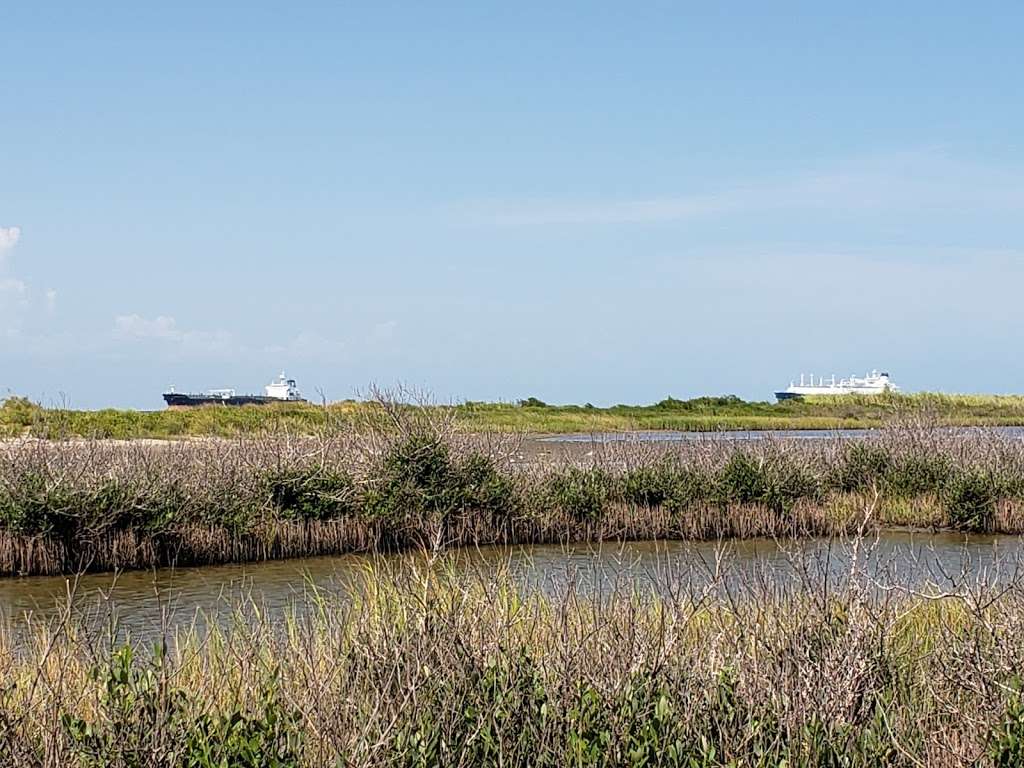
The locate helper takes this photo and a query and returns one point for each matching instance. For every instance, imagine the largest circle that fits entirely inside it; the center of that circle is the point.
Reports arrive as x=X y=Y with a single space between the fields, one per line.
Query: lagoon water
x=149 y=604
x=740 y=435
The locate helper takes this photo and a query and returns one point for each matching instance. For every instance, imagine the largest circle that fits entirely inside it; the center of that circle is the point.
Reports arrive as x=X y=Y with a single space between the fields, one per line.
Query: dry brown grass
x=433 y=666
x=410 y=478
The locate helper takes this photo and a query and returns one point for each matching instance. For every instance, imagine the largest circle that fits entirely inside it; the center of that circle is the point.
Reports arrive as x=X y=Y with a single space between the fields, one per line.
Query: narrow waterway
x=151 y=604
x=744 y=435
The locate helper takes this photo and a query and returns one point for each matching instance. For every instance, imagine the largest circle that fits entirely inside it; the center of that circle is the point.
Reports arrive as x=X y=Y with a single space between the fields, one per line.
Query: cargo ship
x=873 y=383
x=280 y=390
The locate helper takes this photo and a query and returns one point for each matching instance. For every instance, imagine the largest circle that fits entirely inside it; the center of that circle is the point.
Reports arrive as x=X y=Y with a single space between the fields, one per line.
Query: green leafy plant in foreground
x=144 y=721
x=1006 y=740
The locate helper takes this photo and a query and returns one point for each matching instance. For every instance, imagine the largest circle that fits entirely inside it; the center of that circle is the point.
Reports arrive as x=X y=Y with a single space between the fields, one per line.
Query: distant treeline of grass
x=66 y=506
x=19 y=416
x=728 y=412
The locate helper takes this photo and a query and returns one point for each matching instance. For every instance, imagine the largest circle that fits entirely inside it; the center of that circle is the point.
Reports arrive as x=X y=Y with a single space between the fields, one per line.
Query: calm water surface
x=145 y=603
x=740 y=435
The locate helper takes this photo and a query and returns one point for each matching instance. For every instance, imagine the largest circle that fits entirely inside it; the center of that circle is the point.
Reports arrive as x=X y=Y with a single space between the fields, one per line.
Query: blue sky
x=575 y=201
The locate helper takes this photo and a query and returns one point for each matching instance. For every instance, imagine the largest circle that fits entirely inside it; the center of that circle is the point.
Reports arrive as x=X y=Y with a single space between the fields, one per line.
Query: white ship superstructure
x=283 y=388
x=873 y=383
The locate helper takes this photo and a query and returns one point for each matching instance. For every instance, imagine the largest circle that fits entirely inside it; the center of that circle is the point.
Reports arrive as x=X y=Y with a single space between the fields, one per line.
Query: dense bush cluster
x=418 y=477
x=967 y=488
x=422 y=485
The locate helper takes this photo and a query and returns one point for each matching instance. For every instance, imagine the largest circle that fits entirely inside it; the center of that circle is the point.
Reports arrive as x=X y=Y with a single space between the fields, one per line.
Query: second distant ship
x=874 y=383
x=281 y=389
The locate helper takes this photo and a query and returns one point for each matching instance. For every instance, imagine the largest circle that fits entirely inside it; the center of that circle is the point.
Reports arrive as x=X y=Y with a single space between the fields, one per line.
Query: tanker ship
x=280 y=390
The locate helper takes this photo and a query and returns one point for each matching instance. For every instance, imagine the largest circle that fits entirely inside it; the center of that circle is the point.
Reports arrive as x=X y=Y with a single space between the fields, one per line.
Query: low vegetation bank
x=79 y=505
x=20 y=417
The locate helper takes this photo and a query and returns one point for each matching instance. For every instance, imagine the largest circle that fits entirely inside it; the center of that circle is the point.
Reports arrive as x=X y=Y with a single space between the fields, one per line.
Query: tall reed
x=433 y=666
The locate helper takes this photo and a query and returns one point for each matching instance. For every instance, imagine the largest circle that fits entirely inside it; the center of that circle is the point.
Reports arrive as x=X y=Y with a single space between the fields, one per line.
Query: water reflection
x=148 y=604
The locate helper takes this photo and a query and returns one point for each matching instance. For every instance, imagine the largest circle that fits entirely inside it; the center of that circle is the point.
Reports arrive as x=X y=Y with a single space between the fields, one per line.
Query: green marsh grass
x=435 y=666
x=19 y=417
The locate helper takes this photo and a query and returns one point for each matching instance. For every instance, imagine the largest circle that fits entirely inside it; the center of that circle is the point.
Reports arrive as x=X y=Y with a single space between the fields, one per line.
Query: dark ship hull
x=182 y=400
x=780 y=396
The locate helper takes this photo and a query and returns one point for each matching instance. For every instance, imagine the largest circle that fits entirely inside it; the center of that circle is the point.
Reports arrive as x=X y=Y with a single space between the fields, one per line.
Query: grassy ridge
x=434 y=668
x=20 y=417
x=714 y=413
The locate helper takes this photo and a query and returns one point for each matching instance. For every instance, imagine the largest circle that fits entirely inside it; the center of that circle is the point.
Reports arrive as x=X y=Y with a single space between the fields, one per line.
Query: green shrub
x=141 y=717
x=36 y=504
x=481 y=487
x=774 y=481
x=418 y=477
x=311 y=493
x=268 y=738
x=743 y=480
x=863 y=466
x=639 y=724
x=532 y=402
x=646 y=723
x=135 y=706
x=415 y=478
x=1006 y=739
x=915 y=474
x=40 y=505
x=788 y=482
x=665 y=483
x=700 y=404
x=969 y=499
x=17 y=413
x=671 y=404
x=589 y=737
x=647 y=486
x=583 y=494
x=688 y=487
x=506 y=709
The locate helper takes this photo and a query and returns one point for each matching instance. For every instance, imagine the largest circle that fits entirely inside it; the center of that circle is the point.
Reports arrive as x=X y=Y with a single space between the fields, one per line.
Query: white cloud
x=306 y=345
x=384 y=331
x=9 y=237
x=17 y=299
x=597 y=212
x=51 y=300
x=925 y=179
x=13 y=290
x=138 y=327
x=14 y=303
x=164 y=329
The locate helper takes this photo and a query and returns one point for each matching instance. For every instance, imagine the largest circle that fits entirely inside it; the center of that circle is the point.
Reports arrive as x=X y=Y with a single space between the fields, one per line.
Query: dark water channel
x=148 y=603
